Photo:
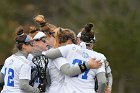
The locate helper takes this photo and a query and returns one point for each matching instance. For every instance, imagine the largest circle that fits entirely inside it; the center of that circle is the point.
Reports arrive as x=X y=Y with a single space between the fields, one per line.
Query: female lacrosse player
x=37 y=68
x=17 y=69
x=86 y=39
x=60 y=67
x=47 y=28
x=84 y=82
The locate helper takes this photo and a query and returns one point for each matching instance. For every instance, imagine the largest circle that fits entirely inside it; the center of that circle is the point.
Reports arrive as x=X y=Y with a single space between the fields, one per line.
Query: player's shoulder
x=8 y=59
x=69 y=49
x=89 y=51
x=22 y=59
x=72 y=46
x=100 y=54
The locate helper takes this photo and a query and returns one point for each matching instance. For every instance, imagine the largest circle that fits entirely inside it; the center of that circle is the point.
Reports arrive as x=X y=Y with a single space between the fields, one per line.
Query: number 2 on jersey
x=79 y=62
x=10 y=81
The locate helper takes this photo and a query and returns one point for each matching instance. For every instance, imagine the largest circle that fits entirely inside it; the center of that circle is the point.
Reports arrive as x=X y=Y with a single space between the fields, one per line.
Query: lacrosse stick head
x=40 y=61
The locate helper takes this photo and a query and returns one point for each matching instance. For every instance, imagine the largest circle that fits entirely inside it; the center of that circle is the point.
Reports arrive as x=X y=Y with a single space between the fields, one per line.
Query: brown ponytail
x=45 y=26
x=87 y=34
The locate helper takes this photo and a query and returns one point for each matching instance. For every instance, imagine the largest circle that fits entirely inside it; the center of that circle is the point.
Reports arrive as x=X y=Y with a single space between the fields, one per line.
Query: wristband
x=83 y=67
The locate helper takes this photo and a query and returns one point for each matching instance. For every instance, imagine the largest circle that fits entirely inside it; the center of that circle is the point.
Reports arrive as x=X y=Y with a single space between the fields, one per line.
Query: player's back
x=83 y=83
x=11 y=70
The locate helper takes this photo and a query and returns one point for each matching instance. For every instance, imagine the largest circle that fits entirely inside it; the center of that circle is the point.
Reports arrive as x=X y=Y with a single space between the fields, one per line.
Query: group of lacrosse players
x=51 y=59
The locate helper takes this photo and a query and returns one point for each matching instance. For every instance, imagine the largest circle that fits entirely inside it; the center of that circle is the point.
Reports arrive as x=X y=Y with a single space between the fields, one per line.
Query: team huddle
x=52 y=59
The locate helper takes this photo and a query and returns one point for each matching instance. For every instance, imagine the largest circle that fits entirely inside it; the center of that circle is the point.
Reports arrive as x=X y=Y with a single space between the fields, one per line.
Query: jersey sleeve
x=25 y=72
x=59 y=62
x=65 y=49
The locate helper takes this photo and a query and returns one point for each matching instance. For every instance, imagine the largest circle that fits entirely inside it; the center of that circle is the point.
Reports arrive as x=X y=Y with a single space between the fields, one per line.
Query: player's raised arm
x=53 y=53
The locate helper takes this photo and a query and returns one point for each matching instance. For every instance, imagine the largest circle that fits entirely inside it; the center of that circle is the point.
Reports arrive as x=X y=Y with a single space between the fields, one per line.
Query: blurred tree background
x=116 y=23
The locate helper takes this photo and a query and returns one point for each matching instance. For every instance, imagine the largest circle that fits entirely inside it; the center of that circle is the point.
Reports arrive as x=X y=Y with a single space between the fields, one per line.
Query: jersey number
x=79 y=62
x=10 y=81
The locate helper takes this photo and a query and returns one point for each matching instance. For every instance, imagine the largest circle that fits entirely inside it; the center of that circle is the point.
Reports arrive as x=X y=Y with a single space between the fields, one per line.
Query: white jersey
x=106 y=64
x=14 y=69
x=108 y=69
x=83 y=83
x=57 y=78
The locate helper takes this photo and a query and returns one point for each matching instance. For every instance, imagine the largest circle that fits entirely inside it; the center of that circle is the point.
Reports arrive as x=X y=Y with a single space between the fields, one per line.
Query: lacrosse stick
x=41 y=63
